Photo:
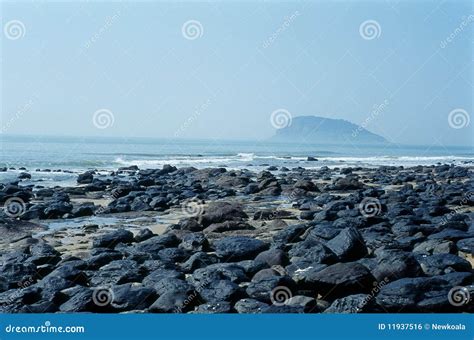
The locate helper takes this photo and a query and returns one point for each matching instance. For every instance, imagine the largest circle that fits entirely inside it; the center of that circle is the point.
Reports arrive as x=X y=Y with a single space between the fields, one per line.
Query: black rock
x=340 y=279
x=219 y=271
x=198 y=260
x=312 y=251
x=348 y=245
x=173 y=302
x=214 y=308
x=81 y=301
x=394 y=265
x=247 y=306
x=194 y=242
x=117 y=272
x=128 y=297
x=438 y=264
x=217 y=212
x=358 y=303
x=85 y=178
x=110 y=240
x=466 y=245
x=272 y=289
x=221 y=290
x=273 y=257
x=236 y=248
x=143 y=234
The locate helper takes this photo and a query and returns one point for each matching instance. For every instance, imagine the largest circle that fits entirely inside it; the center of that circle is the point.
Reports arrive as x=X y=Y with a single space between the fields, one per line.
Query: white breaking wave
x=242 y=160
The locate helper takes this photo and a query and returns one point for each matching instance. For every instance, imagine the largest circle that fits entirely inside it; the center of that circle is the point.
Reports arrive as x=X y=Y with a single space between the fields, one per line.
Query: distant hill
x=314 y=129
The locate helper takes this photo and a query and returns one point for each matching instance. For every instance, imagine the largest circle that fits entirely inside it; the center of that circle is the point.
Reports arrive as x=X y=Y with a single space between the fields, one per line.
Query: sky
x=401 y=69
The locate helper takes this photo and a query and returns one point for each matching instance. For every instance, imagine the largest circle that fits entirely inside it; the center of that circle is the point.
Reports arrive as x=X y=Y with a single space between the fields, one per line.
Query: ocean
x=79 y=154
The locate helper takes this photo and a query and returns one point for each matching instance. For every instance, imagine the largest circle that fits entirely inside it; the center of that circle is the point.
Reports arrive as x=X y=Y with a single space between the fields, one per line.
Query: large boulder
x=348 y=245
x=237 y=248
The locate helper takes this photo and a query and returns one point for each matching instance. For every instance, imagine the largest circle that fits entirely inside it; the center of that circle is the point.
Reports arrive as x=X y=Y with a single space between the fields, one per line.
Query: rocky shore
x=341 y=240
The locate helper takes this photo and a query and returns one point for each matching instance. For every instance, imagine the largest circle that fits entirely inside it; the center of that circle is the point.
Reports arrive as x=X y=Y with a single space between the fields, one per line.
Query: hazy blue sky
x=71 y=59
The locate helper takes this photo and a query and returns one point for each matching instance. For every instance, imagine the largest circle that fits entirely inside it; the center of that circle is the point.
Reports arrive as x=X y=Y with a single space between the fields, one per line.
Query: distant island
x=314 y=129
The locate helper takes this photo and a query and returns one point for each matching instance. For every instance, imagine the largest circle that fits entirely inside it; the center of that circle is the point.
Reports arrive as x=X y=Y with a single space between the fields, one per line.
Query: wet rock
x=198 y=260
x=308 y=304
x=221 y=290
x=228 y=226
x=358 y=303
x=83 y=209
x=290 y=234
x=236 y=248
x=438 y=264
x=219 y=271
x=249 y=306
x=143 y=234
x=81 y=301
x=340 y=279
x=217 y=212
x=394 y=265
x=110 y=240
x=312 y=251
x=348 y=245
x=43 y=253
x=153 y=245
x=173 y=255
x=116 y=272
x=173 y=302
x=172 y=284
x=130 y=297
x=157 y=275
x=435 y=247
x=194 y=242
x=466 y=245
x=85 y=178
x=99 y=260
x=214 y=308
x=273 y=257
x=271 y=289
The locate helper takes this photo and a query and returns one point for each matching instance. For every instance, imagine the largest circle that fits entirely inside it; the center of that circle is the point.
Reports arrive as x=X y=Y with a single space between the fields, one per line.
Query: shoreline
x=232 y=237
